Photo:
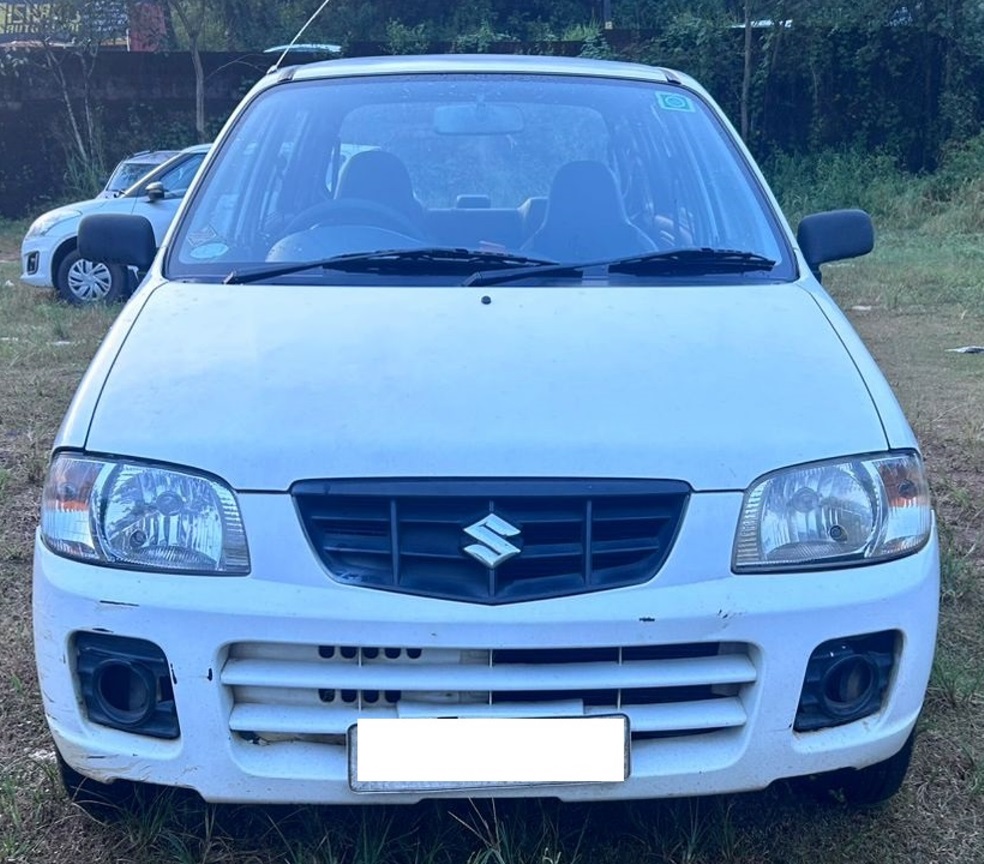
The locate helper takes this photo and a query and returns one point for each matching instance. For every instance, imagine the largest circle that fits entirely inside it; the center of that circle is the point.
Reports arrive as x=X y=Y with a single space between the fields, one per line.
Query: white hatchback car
x=49 y=253
x=522 y=455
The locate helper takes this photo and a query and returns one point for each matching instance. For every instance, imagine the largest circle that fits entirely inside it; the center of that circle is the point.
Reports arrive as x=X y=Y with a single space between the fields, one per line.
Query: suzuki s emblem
x=492 y=548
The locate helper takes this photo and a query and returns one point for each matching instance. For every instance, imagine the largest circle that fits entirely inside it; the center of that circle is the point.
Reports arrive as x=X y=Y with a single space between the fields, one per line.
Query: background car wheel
x=865 y=787
x=80 y=281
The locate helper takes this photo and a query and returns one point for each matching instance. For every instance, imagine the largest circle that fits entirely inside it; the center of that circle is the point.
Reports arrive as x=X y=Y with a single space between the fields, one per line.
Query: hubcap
x=88 y=280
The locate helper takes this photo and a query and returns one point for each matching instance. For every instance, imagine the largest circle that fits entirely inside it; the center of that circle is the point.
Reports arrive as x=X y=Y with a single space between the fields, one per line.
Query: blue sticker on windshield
x=675 y=102
x=209 y=251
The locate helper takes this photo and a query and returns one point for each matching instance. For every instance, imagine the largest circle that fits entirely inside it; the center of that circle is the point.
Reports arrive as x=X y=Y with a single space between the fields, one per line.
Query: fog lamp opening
x=126 y=691
x=848 y=684
x=125 y=684
x=846 y=680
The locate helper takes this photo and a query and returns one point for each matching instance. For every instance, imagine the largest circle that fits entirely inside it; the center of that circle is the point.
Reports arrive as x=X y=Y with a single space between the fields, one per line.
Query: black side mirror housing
x=834 y=236
x=117 y=238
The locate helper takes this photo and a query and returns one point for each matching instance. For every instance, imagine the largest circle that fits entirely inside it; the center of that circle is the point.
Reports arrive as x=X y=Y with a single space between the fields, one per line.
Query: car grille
x=316 y=692
x=564 y=537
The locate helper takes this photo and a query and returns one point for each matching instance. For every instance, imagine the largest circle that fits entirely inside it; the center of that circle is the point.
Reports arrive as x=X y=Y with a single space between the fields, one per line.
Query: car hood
x=264 y=386
x=84 y=207
x=92 y=205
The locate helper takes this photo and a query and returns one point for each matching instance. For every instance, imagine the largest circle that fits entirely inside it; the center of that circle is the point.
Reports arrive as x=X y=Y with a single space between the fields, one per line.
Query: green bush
x=955 y=193
x=833 y=179
x=401 y=39
x=948 y=202
x=480 y=40
x=596 y=47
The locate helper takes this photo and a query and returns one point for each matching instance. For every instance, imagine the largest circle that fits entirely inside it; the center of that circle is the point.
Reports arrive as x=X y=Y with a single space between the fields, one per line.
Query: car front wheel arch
x=864 y=787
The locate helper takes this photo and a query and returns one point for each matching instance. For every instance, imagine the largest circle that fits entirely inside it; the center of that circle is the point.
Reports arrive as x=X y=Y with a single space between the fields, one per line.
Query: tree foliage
x=69 y=35
x=901 y=79
x=905 y=79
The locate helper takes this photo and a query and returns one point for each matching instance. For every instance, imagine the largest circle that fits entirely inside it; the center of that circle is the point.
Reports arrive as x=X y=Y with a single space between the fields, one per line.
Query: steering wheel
x=354 y=211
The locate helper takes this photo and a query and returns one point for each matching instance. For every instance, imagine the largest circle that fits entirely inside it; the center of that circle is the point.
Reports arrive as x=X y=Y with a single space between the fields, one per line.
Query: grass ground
x=916 y=297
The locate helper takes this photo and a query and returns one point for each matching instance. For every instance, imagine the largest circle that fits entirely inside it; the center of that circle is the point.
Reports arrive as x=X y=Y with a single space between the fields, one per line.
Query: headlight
x=853 y=511
x=133 y=515
x=44 y=224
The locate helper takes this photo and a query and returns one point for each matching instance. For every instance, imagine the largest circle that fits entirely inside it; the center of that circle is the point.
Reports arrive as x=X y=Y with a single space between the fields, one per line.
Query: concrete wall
x=142 y=101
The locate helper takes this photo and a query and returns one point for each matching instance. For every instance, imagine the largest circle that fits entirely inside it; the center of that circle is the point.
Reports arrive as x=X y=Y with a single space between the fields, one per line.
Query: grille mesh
x=571 y=536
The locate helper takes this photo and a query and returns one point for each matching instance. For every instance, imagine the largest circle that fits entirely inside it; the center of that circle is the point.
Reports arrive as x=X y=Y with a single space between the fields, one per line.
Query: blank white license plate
x=428 y=754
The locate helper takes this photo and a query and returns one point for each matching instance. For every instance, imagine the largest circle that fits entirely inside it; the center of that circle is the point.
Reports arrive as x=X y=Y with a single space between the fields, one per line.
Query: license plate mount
x=455 y=754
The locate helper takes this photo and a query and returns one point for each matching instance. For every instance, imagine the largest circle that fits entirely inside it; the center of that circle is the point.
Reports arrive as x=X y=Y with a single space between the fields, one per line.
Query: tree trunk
x=746 y=78
x=196 y=59
x=194 y=31
x=776 y=37
x=56 y=69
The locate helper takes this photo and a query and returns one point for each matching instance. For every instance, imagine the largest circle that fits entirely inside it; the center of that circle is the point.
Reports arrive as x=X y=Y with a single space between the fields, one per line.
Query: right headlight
x=139 y=515
x=831 y=514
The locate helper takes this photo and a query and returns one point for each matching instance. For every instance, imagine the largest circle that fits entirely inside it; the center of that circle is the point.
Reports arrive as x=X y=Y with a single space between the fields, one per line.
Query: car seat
x=585 y=218
x=379 y=176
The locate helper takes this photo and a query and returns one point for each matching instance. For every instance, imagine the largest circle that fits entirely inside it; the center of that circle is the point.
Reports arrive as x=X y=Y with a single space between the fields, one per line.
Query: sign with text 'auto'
x=101 y=21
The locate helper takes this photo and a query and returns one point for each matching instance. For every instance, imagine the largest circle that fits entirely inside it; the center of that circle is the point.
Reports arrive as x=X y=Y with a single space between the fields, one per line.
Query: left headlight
x=129 y=514
x=837 y=513
x=43 y=224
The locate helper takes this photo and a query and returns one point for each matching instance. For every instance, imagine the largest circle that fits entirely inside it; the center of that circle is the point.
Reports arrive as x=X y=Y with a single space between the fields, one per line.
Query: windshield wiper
x=695 y=261
x=402 y=261
x=688 y=262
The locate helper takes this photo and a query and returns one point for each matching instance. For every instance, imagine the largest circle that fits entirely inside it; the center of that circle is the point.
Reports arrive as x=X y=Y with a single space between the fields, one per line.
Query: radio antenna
x=298 y=35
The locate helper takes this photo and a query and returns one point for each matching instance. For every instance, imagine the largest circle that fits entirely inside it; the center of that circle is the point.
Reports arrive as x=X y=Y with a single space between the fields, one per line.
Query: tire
x=82 y=282
x=106 y=802
x=863 y=787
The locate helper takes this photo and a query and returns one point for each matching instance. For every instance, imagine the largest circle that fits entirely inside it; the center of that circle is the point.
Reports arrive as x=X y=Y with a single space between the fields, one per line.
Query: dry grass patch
x=44 y=348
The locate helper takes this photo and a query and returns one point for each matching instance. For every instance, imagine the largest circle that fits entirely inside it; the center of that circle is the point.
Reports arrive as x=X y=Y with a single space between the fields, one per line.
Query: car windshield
x=128 y=173
x=521 y=171
x=174 y=175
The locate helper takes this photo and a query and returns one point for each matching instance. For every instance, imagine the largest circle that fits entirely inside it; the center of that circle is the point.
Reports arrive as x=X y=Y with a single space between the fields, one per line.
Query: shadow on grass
x=178 y=827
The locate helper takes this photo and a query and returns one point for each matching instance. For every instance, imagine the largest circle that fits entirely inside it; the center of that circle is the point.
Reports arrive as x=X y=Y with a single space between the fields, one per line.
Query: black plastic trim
x=94 y=651
x=409 y=535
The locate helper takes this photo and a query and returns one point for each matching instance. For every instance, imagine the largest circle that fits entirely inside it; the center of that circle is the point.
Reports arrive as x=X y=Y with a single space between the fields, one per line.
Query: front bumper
x=232 y=641
x=36 y=263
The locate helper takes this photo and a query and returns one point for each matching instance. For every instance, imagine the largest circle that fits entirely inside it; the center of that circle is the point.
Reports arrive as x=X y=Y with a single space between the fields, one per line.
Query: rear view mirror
x=154 y=191
x=477 y=118
x=117 y=238
x=834 y=236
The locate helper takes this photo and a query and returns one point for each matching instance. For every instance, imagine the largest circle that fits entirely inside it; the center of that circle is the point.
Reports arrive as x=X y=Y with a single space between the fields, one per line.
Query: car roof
x=305 y=48
x=150 y=156
x=479 y=63
x=182 y=154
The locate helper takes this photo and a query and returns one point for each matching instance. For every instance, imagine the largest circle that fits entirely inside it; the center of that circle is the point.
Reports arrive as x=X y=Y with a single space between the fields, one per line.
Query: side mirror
x=834 y=236
x=154 y=191
x=117 y=238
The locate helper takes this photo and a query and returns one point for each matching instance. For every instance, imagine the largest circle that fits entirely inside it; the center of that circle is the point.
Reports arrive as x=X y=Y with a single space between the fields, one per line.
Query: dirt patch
x=943 y=396
x=10 y=240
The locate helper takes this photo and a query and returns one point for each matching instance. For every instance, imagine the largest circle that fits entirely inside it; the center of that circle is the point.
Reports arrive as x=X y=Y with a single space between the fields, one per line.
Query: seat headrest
x=375 y=175
x=587 y=188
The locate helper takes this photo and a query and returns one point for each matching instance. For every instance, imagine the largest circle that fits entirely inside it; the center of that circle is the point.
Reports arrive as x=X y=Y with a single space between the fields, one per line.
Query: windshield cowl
x=496 y=268
x=678 y=263
x=425 y=261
